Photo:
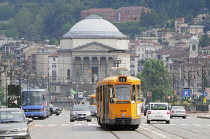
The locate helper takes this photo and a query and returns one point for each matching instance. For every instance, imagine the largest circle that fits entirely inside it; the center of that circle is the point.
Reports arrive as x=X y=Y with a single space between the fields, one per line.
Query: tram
x=93 y=99
x=119 y=102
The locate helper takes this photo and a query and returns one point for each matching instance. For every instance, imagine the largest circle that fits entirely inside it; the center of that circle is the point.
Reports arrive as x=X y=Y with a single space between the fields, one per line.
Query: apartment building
x=122 y=14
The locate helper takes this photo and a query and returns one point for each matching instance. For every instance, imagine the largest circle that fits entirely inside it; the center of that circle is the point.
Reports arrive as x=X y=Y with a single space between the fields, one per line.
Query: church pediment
x=94 y=46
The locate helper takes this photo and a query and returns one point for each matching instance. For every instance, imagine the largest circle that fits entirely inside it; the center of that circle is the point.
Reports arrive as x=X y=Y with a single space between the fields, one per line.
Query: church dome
x=193 y=39
x=94 y=26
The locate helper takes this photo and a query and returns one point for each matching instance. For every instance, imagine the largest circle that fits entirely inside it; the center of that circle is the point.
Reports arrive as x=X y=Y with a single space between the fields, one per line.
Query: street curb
x=205 y=117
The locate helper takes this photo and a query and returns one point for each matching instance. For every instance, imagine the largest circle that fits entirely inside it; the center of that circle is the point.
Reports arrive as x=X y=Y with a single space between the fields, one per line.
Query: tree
x=204 y=40
x=53 y=41
x=12 y=33
x=155 y=78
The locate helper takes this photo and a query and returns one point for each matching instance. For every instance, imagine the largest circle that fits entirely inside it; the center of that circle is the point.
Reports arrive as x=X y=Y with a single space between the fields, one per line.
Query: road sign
x=80 y=94
x=149 y=94
x=185 y=93
x=204 y=94
x=204 y=100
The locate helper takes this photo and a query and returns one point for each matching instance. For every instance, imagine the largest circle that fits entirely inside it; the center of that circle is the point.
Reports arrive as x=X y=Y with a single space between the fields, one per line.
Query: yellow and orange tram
x=93 y=99
x=119 y=102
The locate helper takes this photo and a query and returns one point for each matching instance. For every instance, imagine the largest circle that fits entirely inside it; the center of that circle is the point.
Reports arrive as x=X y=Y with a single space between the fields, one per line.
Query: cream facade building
x=88 y=51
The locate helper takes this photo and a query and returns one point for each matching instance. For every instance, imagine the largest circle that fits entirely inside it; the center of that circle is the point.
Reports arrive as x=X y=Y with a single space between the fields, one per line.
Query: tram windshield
x=122 y=92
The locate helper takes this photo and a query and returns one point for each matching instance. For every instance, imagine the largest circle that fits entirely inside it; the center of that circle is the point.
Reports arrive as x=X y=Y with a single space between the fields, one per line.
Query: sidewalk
x=205 y=115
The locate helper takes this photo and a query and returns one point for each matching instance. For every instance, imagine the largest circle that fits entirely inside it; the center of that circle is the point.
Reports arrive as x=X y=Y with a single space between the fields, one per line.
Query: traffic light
x=204 y=100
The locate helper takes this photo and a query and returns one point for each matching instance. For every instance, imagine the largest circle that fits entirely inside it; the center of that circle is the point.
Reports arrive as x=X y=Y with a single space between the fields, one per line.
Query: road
x=59 y=127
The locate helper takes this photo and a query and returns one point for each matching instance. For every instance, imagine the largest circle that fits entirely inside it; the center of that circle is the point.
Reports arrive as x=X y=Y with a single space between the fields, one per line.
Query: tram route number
x=123 y=111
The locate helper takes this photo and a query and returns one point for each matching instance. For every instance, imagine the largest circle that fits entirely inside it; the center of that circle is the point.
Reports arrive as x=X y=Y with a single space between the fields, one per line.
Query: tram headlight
x=123 y=114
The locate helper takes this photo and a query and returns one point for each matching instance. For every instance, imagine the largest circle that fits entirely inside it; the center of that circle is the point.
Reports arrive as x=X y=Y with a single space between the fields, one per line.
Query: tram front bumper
x=124 y=121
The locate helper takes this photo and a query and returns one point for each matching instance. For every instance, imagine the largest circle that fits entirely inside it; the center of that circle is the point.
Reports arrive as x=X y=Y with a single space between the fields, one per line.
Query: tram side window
x=100 y=92
x=111 y=91
x=133 y=93
x=138 y=97
x=97 y=94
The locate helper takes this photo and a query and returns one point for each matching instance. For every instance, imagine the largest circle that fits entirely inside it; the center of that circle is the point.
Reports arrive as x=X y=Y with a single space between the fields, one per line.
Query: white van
x=158 y=111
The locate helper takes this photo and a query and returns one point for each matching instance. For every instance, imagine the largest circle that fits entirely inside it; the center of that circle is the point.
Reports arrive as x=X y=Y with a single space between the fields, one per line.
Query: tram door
x=106 y=103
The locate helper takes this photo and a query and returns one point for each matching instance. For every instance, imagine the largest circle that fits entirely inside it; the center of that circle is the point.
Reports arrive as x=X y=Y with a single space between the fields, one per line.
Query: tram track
x=191 y=131
x=168 y=132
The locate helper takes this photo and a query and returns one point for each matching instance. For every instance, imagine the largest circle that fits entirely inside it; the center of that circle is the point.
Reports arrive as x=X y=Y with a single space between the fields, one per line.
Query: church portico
x=91 y=68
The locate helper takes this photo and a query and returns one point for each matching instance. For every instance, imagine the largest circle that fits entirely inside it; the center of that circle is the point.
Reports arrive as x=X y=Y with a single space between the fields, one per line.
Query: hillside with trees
x=50 y=19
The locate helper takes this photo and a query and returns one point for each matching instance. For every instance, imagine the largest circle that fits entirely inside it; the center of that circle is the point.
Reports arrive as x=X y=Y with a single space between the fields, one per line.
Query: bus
x=119 y=100
x=36 y=103
x=93 y=99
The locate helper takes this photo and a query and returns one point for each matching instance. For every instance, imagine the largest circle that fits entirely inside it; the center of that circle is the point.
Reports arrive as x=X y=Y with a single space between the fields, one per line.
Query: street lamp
x=175 y=79
x=4 y=64
x=165 y=79
x=203 y=74
x=189 y=75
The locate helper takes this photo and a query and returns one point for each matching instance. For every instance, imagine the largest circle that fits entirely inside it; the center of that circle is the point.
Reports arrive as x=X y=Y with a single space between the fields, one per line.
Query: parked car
x=80 y=112
x=55 y=110
x=93 y=110
x=13 y=123
x=178 y=111
x=158 y=111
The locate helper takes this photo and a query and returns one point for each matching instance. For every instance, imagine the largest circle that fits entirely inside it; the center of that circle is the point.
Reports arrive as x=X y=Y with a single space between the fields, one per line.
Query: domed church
x=89 y=49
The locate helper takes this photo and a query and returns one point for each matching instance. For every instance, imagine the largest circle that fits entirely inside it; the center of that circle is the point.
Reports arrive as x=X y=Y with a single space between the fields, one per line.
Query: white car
x=158 y=111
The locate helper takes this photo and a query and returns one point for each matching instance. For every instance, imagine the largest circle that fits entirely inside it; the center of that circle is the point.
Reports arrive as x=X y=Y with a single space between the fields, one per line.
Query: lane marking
x=197 y=125
x=91 y=124
x=77 y=124
x=52 y=125
x=39 y=125
x=163 y=136
x=65 y=125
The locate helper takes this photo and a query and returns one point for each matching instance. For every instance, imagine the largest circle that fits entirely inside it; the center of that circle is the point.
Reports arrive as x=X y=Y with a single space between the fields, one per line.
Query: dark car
x=55 y=110
x=93 y=110
x=80 y=112
x=13 y=124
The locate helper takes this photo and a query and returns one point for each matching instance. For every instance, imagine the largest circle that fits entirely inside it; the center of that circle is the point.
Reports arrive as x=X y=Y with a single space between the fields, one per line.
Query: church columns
x=99 y=67
x=106 y=67
x=73 y=69
x=90 y=68
x=82 y=69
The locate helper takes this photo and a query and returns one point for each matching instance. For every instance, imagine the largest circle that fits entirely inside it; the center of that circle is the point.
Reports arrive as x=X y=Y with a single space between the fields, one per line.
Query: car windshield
x=177 y=107
x=92 y=107
x=158 y=106
x=11 y=117
x=80 y=108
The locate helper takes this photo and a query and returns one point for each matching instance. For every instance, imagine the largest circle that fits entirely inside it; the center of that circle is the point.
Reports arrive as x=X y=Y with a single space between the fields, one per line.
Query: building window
x=193 y=47
x=132 y=66
x=68 y=74
x=53 y=58
x=53 y=75
x=53 y=65
x=132 y=58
